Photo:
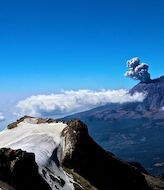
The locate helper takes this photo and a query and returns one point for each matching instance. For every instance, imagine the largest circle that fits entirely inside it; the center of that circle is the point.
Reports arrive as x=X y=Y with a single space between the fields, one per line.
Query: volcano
x=154 y=90
x=133 y=131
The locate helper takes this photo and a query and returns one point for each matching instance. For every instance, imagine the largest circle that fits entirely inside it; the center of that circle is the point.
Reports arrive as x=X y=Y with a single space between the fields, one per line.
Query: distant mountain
x=155 y=93
x=133 y=131
x=46 y=154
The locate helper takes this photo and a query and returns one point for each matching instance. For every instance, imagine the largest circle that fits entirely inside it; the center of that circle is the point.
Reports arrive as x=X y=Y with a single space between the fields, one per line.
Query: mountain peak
x=160 y=79
x=154 y=90
x=68 y=158
x=156 y=80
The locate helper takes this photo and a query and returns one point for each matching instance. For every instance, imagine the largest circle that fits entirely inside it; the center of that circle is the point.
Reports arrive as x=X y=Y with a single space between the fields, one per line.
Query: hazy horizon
x=49 y=47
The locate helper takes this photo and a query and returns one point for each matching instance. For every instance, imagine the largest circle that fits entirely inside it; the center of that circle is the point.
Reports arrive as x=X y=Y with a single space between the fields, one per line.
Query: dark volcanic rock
x=155 y=93
x=139 y=167
x=82 y=155
x=18 y=169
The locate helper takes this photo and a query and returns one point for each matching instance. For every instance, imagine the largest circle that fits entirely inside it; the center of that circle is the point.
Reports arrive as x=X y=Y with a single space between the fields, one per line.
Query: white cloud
x=68 y=102
x=2 y=117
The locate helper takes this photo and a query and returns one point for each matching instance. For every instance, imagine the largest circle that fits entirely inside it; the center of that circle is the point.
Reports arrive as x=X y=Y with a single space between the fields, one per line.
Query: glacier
x=44 y=140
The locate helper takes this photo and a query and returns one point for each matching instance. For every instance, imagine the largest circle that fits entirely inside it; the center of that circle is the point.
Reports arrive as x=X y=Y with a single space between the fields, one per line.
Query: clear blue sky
x=70 y=44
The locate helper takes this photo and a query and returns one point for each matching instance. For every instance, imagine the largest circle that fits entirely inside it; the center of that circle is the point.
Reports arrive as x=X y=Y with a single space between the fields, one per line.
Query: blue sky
x=68 y=44
x=49 y=45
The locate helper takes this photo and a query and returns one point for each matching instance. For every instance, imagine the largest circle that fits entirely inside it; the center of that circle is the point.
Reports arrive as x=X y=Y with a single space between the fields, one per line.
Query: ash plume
x=137 y=70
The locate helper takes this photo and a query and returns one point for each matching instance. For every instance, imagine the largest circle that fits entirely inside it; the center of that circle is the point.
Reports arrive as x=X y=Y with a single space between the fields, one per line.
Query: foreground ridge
x=66 y=158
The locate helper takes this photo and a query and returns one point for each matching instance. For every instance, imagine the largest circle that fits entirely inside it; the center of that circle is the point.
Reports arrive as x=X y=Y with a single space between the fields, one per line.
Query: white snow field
x=43 y=140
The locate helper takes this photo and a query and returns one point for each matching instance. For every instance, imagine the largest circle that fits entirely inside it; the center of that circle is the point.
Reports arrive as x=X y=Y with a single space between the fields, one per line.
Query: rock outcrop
x=37 y=121
x=82 y=155
x=19 y=170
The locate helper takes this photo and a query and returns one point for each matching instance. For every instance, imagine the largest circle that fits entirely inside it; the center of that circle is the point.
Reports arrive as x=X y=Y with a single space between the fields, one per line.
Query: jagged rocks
x=104 y=171
x=19 y=170
x=31 y=119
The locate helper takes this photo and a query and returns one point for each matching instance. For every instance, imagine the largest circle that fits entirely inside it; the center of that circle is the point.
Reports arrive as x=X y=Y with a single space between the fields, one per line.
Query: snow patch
x=43 y=140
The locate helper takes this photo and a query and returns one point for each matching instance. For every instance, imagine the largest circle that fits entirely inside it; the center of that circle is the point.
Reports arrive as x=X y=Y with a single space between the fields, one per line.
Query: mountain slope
x=133 y=131
x=67 y=157
x=155 y=93
x=42 y=139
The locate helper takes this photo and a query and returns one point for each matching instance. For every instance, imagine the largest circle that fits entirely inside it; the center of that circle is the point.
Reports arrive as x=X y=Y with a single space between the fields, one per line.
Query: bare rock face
x=19 y=170
x=103 y=170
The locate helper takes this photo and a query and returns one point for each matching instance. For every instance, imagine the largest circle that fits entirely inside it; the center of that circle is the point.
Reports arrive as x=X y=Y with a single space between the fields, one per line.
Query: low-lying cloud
x=69 y=102
x=2 y=117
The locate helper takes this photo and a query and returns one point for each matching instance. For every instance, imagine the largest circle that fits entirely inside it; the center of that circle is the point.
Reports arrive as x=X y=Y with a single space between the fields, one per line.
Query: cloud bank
x=137 y=70
x=69 y=102
x=2 y=117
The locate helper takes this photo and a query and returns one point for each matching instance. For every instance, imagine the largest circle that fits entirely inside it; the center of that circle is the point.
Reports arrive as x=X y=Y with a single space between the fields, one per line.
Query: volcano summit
x=134 y=130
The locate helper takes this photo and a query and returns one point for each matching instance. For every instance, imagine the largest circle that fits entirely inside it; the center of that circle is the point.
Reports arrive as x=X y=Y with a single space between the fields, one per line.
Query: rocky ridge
x=88 y=166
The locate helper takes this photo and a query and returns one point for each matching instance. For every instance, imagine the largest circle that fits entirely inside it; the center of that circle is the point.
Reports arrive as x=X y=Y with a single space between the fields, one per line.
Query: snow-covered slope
x=44 y=140
x=65 y=154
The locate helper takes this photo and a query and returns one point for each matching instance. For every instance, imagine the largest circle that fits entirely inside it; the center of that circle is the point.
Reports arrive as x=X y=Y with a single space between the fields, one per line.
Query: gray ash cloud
x=137 y=70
